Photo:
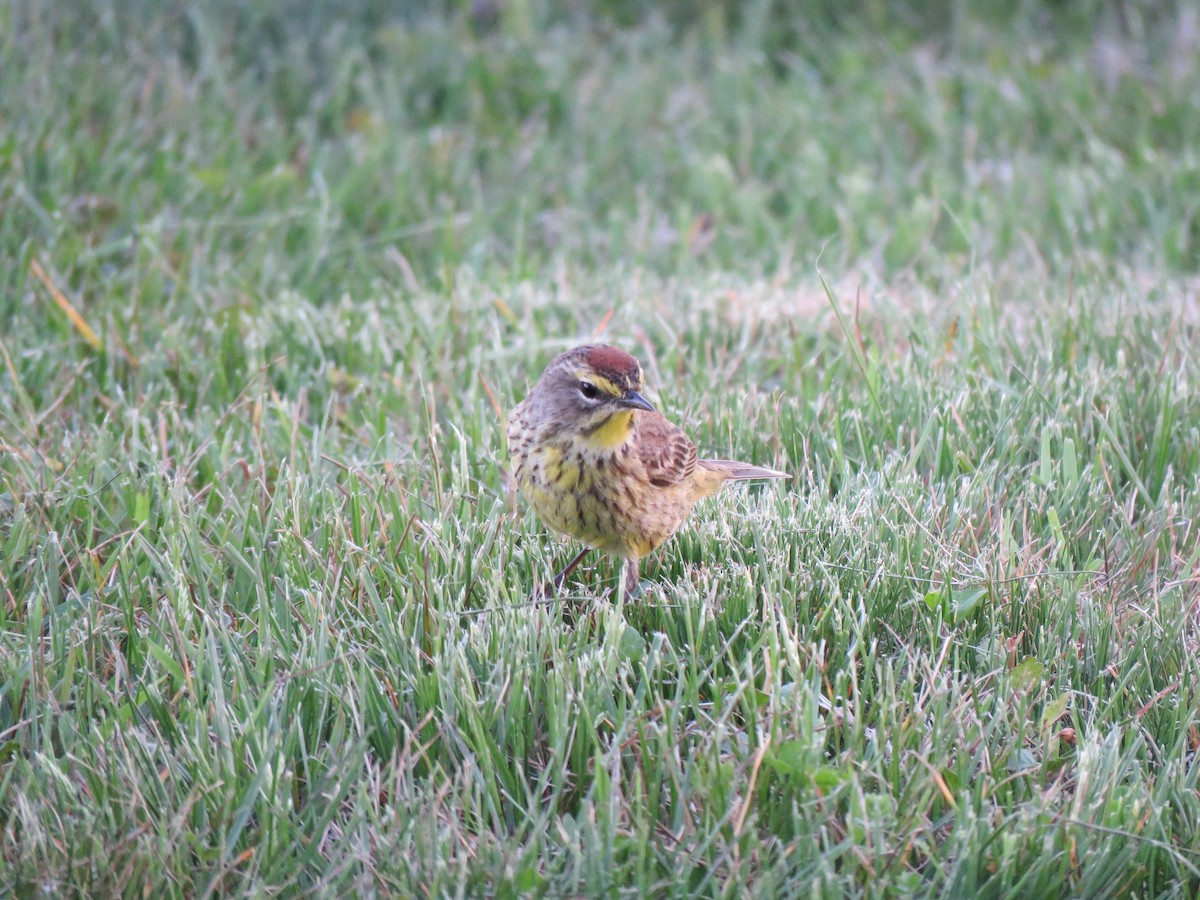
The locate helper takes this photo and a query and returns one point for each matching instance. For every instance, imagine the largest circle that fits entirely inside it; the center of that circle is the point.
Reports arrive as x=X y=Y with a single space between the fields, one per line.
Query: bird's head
x=595 y=388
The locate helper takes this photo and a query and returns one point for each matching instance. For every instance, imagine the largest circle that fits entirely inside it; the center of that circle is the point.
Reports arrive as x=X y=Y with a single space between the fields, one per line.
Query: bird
x=600 y=465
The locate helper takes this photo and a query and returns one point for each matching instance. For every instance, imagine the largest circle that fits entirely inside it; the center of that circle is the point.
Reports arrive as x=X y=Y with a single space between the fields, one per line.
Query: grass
x=264 y=591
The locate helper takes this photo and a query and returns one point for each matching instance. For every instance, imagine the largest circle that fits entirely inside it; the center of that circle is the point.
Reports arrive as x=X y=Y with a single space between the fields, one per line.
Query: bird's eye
x=589 y=390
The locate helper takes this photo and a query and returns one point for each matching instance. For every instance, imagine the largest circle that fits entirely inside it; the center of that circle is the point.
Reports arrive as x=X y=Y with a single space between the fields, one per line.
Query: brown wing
x=665 y=451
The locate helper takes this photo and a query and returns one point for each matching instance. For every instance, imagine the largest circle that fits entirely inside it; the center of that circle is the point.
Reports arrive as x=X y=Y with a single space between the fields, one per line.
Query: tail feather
x=740 y=471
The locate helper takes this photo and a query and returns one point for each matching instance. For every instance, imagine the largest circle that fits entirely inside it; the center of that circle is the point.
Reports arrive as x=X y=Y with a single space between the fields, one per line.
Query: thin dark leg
x=565 y=573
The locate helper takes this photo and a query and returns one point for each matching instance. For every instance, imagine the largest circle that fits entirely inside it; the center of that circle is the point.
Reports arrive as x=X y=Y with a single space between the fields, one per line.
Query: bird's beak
x=634 y=400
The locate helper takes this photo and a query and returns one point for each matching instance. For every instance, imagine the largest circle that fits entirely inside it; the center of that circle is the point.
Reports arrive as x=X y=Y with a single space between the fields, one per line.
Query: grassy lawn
x=272 y=274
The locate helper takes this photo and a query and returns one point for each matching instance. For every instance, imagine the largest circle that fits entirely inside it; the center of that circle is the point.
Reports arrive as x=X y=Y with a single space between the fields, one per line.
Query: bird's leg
x=629 y=578
x=565 y=573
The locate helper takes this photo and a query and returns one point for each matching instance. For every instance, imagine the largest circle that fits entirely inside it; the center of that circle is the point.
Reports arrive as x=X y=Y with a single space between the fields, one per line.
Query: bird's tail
x=740 y=471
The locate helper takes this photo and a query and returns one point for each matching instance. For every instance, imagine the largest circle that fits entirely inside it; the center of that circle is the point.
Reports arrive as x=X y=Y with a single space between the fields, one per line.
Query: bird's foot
x=639 y=590
x=631 y=586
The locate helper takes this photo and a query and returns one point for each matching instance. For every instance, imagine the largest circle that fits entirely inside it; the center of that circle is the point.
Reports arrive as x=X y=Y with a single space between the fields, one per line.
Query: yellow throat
x=612 y=434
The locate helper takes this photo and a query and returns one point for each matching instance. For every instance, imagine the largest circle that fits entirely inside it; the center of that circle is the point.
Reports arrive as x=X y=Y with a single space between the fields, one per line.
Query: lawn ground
x=271 y=275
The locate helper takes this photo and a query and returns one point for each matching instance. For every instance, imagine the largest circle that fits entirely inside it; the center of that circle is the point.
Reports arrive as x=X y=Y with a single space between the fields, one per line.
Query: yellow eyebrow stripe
x=599 y=381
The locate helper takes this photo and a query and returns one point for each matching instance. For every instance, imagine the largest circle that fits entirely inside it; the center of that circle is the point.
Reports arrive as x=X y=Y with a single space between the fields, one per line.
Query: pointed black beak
x=634 y=400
